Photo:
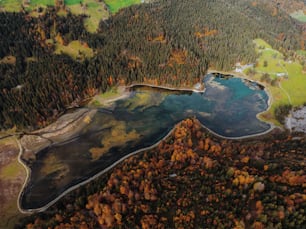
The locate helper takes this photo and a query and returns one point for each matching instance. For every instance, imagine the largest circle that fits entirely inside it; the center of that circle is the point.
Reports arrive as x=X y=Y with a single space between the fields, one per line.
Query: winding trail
x=28 y=173
x=287 y=94
x=280 y=85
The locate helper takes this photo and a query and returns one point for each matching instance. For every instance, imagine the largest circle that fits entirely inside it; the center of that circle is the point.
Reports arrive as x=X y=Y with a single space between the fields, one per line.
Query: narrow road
x=26 y=179
x=289 y=97
x=289 y=125
x=280 y=86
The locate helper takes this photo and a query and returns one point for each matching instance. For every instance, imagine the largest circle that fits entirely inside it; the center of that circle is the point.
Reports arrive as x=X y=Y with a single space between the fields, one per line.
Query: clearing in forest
x=75 y=49
x=11 y=5
x=8 y=60
x=116 y=5
x=283 y=77
x=16 y=5
x=299 y=15
x=73 y=2
x=12 y=177
x=95 y=10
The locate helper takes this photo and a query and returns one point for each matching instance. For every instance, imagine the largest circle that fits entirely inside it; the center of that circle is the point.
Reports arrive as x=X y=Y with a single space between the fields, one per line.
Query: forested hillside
x=193 y=180
x=164 y=42
x=289 y=6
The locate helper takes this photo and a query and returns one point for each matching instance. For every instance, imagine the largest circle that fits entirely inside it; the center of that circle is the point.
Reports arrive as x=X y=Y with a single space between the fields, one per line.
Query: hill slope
x=165 y=42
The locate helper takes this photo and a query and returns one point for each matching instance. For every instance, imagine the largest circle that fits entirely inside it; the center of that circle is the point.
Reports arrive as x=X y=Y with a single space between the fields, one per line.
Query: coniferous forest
x=164 y=42
x=192 y=178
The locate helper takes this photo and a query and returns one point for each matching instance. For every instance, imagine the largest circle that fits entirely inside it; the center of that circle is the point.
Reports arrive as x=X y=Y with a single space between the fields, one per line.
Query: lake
x=228 y=107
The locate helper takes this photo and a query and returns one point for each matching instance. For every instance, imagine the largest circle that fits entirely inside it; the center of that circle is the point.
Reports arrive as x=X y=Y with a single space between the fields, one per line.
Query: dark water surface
x=228 y=107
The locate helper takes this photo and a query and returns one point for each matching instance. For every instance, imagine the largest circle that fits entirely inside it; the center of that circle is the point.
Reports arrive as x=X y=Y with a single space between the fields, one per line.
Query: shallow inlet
x=228 y=107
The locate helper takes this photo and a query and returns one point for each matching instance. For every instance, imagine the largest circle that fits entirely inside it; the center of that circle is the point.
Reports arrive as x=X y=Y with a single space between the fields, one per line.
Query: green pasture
x=16 y=5
x=73 y=2
x=10 y=171
x=301 y=52
x=296 y=83
x=113 y=92
x=116 y=5
x=261 y=43
x=11 y=5
x=94 y=10
x=100 y=99
x=299 y=15
x=291 y=88
x=74 y=49
x=42 y=2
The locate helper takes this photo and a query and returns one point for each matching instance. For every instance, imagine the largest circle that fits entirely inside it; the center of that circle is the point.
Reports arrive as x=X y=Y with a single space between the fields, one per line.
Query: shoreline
x=120 y=96
x=266 y=89
x=45 y=207
x=106 y=102
x=28 y=174
x=167 y=87
x=72 y=188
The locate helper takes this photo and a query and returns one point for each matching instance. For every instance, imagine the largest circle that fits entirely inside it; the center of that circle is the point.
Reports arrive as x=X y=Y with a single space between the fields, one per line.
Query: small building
x=199 y=87
x=281 y=74
x=240 y=68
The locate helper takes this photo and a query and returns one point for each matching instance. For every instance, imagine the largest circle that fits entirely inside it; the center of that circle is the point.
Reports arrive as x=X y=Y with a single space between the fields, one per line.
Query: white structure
x=281 y=74
x=240 y=68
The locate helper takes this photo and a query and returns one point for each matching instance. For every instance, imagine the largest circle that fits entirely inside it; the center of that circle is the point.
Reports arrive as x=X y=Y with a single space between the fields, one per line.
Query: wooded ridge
x=165 y=42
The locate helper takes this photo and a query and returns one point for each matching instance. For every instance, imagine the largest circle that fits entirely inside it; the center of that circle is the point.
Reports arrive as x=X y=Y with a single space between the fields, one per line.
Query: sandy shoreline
x=67 y=126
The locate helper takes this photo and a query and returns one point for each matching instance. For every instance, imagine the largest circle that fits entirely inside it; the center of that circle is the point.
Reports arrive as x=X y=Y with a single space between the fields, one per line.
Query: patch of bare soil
x=12 y=176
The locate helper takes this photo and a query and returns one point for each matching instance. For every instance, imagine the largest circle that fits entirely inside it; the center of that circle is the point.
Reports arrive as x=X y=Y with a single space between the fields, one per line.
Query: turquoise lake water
x=228 y=107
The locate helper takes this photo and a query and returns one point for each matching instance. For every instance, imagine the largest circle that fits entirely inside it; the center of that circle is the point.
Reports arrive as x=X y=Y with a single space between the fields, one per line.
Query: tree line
x=165 y=42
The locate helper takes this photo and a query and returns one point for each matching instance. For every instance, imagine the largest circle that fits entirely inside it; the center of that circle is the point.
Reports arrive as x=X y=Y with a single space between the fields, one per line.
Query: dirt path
x=287 y=94
x=28 y=172
x=280 y=86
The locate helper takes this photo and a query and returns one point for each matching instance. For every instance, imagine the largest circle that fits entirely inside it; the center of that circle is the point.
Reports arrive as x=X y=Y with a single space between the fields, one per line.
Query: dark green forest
x=164 y=42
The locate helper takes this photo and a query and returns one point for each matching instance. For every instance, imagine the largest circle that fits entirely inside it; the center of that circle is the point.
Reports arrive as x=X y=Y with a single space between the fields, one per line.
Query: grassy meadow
x=299 y=15
x=95 y=10
x=42 y=2
x=287 y=89
x=11 y=5
x=75 y=49
x=16 y=5
x=12 y=176
x=73 y=2
x=116 y=5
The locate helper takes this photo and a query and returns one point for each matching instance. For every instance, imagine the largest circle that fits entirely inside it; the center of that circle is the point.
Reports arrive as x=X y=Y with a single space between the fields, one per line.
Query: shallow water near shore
x=228 y=107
